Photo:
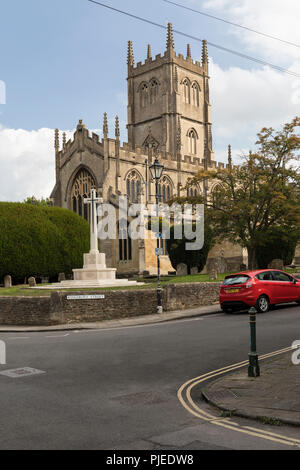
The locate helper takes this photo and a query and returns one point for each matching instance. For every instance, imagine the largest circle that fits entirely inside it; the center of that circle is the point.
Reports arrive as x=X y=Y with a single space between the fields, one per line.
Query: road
x=117 y=389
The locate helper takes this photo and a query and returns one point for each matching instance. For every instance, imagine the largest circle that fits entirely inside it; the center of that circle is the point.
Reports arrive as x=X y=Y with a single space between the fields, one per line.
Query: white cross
x=93 y=201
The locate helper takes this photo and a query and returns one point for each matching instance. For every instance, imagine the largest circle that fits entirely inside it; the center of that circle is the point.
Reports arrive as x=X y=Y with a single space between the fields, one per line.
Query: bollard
x=253 y=368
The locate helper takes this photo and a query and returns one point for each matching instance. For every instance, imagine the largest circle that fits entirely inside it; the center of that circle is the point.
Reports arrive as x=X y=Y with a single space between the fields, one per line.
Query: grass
x=24 y=290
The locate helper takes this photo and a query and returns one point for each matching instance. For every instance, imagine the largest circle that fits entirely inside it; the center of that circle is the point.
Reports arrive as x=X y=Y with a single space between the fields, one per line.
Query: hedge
x=40 y=241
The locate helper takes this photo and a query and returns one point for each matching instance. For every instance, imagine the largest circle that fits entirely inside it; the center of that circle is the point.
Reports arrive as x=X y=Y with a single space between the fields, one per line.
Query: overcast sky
x=65 y=60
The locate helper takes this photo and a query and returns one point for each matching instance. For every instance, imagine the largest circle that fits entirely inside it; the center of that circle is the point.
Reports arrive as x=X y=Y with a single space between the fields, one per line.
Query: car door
x=287 y=291
x=267 y=285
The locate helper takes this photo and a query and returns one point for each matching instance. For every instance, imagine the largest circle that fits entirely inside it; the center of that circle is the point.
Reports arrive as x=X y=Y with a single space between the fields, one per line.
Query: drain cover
x=22 y=372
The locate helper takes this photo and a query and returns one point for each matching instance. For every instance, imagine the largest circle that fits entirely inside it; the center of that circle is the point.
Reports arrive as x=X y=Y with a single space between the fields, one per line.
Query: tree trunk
x=252 y=262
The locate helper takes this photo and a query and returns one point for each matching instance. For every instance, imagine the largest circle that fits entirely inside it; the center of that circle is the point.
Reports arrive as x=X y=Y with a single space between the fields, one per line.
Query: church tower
x=168 y=102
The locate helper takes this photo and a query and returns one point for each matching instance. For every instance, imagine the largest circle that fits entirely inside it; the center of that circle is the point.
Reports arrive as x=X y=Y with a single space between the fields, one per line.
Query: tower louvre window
x=192 y=142
x=144 y=95
x=153 y=90
x=195 y=94
x=186 y=91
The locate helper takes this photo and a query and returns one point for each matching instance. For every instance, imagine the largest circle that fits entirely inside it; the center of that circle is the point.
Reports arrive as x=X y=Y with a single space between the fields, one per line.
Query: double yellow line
x=184 y=396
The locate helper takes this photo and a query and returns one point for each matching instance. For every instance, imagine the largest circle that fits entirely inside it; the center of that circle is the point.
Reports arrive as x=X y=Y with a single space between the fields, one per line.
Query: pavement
x=272 y=398
x=121 y=322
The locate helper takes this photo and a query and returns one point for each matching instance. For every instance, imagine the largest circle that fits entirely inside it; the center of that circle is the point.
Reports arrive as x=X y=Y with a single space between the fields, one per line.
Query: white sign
x=85 y=297
x=2 y=353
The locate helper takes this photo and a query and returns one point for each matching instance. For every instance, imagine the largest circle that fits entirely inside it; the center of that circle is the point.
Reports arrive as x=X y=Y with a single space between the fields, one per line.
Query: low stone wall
x=58 y=309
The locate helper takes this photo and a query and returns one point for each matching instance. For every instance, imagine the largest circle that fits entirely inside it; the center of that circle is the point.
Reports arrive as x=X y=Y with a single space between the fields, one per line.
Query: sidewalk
x=272 y=398
x=122 y=322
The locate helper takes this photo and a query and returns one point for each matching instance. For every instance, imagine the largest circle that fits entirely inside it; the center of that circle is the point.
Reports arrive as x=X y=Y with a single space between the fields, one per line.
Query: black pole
x=253 y=368
x=159 y=293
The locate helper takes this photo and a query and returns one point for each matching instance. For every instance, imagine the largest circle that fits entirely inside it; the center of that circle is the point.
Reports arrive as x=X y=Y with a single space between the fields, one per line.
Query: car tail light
x=249 y=284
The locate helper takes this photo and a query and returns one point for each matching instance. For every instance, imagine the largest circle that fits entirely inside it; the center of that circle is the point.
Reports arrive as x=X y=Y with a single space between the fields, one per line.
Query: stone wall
x=57 y=309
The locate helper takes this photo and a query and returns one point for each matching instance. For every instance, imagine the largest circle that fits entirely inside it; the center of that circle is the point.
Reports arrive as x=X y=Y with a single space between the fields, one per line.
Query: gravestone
x=45 y=280
x=276 y=264
x=213 y=275
x=194 y=270
x=32 y=282
x=181 y=269
x=61 y=277
x=7 y=281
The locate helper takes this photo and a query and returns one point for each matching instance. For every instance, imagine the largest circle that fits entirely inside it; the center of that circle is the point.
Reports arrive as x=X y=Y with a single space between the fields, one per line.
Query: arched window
x=192 y=141
x=144 y=95
x=125 y=242
x=216 y=195
x=195 y=94
x=82 y=185
x=133 y=186
x=165 y=189
x=193 y=191
x=186 y=91
x=153 y=90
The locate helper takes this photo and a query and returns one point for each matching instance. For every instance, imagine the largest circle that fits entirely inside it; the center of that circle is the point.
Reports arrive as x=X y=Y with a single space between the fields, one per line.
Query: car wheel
x=263 y=304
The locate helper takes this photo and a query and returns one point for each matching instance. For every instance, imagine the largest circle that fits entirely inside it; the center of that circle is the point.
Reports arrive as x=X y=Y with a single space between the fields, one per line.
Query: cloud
x=27 y=163
x=271 y=17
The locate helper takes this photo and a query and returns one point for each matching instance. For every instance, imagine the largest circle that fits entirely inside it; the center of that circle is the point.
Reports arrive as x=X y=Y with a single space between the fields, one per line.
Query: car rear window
x=238 y=279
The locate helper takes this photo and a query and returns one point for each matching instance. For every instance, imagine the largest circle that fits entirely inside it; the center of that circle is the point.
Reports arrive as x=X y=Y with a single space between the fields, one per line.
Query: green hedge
x=40 y=241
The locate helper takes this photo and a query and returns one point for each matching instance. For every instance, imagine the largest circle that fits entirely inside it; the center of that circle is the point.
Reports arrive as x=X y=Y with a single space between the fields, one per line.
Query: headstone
x=45 y=280
x=276 y=264
x=32 y=282
x=146 y=273
x=213 y=275
x=181 y=269
x=61 y=277
x=7 y=281
x=194 y=270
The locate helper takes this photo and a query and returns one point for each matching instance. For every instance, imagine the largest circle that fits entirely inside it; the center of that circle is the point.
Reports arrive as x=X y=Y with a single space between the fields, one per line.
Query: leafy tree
x=38 y=202
x=279 y=243
x=258 y=195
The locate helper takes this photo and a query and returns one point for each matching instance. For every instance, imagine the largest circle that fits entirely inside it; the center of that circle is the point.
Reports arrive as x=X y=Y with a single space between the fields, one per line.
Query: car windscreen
x=239 y=279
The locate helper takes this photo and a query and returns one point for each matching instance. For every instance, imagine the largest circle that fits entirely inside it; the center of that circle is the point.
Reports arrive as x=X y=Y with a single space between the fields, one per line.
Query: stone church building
x=169 y=116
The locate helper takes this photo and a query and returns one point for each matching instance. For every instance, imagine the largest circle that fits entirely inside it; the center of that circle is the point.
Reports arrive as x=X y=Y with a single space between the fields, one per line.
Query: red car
x=260 y=288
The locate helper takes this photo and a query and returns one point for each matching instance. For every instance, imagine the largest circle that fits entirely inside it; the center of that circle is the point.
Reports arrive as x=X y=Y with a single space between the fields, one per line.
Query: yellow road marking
x=194 y=409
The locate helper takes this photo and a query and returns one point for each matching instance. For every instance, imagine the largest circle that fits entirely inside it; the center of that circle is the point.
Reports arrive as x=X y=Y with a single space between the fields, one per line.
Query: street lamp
x=156 y=170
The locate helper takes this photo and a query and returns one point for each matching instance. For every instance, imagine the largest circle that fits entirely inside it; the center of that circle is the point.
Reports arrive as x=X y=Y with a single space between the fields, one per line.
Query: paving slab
x=272 y=398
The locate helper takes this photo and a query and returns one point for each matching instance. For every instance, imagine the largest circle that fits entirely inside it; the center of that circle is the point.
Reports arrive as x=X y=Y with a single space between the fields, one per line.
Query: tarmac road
x=117 y=388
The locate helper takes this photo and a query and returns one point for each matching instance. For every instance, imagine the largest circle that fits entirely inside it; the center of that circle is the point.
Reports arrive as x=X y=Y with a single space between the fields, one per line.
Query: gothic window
x=144 y=95
x=193 y=191
x=216 y=195
x=186 y=91
x=125 y=242
x=153 y=90
x=192 y=141
x=195 y=94
x=133 y=186
x=165 y=189
x=83 y=183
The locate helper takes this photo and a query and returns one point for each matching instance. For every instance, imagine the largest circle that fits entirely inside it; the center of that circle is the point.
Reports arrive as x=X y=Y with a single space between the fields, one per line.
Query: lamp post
x=253 y=368
x=156 y=170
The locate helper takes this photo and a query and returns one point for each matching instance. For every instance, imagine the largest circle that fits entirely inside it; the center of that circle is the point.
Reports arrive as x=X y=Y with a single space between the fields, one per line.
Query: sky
x=65 y=60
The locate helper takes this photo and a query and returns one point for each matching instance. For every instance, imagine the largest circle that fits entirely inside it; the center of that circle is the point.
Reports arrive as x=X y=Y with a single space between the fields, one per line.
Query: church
x=169 y=117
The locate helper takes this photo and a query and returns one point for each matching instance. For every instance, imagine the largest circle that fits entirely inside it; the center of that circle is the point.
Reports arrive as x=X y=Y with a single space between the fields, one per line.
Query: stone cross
x=93 y=201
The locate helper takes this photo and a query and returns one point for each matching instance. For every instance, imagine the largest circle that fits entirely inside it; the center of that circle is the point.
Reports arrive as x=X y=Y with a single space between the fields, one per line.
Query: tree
x=258 y=195
x=192 y=258
x=38 y=202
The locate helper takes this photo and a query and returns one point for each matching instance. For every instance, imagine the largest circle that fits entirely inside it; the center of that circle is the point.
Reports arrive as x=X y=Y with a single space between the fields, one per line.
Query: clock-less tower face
x=168 y=102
